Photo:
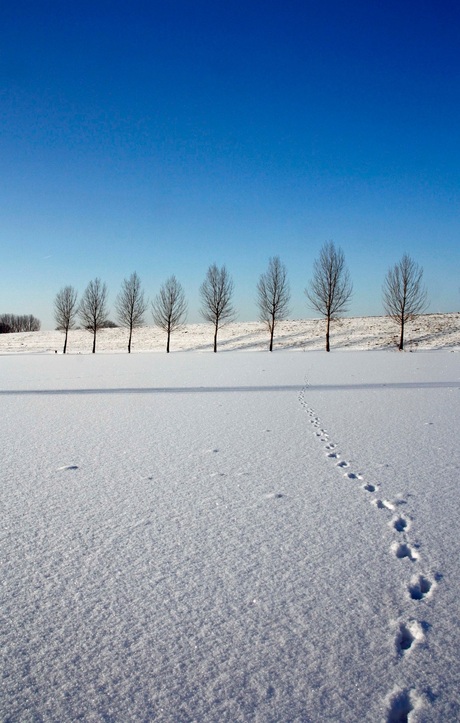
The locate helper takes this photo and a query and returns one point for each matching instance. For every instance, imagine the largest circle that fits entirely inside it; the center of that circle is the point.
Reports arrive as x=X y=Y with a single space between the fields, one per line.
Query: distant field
x=429 y=331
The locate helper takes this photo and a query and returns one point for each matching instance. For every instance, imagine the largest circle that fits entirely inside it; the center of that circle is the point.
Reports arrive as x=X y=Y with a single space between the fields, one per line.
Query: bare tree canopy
x=93 y=308
x=65 y=311
x=330 y=288
x=169 y=308
x=131 y=305
x=273 y=295
x=216 y=293
x=404 y=295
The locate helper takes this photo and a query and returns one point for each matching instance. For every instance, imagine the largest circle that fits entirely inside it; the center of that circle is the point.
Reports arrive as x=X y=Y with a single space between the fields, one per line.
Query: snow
x=428 y=331
x=230 y=537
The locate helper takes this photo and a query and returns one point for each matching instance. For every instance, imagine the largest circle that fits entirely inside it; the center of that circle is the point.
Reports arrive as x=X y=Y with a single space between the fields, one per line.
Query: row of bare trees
x=10 y=323
x=169 y=308
x=328 y=292
x=330 y=289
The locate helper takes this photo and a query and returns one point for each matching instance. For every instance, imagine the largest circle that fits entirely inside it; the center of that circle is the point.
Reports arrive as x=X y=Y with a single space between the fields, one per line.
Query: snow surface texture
x=230 y=537
x=430 y=331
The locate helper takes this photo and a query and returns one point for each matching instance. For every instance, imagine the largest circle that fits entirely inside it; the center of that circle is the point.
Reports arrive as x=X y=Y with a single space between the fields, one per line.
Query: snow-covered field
x=428 y=331
x=230 y=537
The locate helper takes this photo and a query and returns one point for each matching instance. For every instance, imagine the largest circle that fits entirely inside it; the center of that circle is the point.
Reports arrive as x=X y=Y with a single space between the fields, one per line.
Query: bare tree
x=93 y=308
x=216 y=293
x=65 y=311
x=273 y=295
x=404 y=295
x=330 y=288
x=169 y=308
x=131 y=305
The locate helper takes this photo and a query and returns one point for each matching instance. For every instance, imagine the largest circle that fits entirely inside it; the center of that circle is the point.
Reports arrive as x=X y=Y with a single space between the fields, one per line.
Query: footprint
x=332 y=445
x=408 y=635
x=67 y=467
x=343 y=464
x=400 y=524
x=333 y=455
x=402 y=550
x=370 y=488
x=420 y=587
x=352 y=475
x=400 y=704
x=384 y=505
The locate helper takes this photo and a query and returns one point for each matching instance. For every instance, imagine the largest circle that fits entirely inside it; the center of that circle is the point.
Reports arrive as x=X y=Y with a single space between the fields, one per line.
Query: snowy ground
x=230 y=537
x=429 y=331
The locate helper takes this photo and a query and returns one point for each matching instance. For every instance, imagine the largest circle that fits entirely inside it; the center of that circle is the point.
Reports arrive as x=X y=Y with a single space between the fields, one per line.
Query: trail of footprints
x=400 y=702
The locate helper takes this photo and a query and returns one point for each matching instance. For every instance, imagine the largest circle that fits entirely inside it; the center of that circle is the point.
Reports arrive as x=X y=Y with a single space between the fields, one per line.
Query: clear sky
x=163 y=136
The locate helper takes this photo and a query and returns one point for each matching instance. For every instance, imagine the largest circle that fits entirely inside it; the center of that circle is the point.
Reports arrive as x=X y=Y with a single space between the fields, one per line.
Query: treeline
x=10 y=323
x=328 y=292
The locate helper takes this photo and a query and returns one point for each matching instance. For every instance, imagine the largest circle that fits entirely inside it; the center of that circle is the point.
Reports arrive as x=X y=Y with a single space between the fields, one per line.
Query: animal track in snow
x=67 y=467
x=420 y=587
x=401 y=703
x=402 y=550
x=384 y=505
x=353 y=475
x=407 y=636
x=400 y=524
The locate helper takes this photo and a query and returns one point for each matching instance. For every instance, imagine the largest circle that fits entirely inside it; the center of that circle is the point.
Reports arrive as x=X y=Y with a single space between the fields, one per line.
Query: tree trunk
x=328 y=326
x=271 y=326
x=129 y=340
x=215 y=339
x=94 y=342
x=167 y=341
x=65 y=342
x=401 y=338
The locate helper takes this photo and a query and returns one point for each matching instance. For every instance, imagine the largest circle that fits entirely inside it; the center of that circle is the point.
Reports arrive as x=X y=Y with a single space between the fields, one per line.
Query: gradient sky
x=163 y=136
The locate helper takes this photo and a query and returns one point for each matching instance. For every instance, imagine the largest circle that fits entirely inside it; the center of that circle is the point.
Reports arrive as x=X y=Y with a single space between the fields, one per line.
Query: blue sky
x=163 y=136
